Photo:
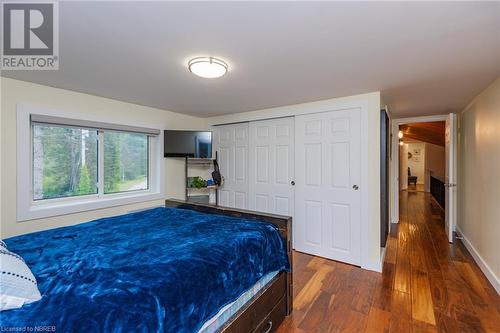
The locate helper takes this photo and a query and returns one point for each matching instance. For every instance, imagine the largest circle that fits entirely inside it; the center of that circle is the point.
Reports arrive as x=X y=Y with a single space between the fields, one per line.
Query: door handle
x=355 y=187
x=292 y=183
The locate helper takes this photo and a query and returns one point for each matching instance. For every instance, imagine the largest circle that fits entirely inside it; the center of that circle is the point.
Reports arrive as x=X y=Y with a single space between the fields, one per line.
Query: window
x=67 y=165
x=65 y=161
x=125 y=162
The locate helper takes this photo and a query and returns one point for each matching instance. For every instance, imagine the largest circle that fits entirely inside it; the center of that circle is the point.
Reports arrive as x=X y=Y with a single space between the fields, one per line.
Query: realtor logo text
x=30 y=34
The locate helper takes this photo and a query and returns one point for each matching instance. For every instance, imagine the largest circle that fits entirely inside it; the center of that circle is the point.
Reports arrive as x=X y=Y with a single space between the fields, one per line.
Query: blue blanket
x=160 y=270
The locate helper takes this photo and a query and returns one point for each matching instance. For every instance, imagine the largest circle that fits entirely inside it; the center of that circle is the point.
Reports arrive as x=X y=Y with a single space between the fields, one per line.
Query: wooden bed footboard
x=265 y=311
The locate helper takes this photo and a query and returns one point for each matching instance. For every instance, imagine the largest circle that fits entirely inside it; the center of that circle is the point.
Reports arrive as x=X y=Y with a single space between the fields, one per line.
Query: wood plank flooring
x=427 y=285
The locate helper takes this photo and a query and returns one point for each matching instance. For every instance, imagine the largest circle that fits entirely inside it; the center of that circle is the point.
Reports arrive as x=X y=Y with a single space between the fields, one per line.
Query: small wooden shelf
x=201 y=161
x=211 y=187
x=202 y=193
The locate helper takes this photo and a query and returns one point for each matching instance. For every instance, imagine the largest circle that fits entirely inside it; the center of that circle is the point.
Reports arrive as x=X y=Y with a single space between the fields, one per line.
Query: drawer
x=266 y=303
x=252 y=315
x=274 y=319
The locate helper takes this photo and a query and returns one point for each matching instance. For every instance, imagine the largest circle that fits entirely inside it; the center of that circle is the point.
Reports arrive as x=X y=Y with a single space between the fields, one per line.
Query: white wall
x=416 y=163
x=14 y=92
x=370 y=252
x=479 y=180
x=403 y=167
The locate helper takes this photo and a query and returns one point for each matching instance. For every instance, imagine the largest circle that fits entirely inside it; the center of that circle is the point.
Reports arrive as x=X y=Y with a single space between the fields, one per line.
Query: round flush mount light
x=207 y=67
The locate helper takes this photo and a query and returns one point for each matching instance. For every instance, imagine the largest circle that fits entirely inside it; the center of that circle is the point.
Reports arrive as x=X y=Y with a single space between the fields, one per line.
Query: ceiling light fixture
x=207 y=67
x=400 y=134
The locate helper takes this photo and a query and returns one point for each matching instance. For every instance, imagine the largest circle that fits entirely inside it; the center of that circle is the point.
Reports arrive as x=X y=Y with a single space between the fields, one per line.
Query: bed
x=184 y=267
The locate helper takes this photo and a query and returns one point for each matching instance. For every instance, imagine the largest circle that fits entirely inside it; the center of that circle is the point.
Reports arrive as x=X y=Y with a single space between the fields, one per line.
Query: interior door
x=327 y=177
x=272 y=166
x=231 y=144
x=451 y=176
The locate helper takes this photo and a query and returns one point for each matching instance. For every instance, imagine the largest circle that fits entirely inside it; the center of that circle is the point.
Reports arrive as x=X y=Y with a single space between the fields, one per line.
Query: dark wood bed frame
x=264 y=312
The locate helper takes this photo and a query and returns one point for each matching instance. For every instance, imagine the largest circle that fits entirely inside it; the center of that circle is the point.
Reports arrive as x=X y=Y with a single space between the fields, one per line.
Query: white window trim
x=29 y=209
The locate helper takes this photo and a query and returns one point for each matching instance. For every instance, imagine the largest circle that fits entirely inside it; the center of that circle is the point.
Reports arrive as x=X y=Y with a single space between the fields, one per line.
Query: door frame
x=394 y=172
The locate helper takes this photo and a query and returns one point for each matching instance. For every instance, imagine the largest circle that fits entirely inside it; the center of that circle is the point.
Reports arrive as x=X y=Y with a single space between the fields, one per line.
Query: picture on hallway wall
x=415 y=155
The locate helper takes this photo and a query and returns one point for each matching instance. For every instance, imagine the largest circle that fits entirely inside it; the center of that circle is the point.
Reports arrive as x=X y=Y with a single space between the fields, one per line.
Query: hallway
x=428 y=285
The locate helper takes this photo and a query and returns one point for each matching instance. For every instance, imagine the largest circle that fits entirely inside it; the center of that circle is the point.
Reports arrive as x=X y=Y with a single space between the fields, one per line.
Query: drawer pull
x=270 y=324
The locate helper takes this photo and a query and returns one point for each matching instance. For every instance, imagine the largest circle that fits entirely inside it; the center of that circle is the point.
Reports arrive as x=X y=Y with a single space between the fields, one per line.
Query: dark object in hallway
x=427 y=285
x=438 y=190
x=411 y=179
x=384 y=177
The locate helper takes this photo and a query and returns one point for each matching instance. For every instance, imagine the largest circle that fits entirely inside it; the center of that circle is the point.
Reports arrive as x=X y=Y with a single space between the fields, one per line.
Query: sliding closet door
x=231 y=144
x=272 y=166
x=327 y=176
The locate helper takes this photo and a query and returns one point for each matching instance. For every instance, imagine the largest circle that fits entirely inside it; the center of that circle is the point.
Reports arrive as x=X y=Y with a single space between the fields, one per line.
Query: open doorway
x=425 y=165
x=422 y=158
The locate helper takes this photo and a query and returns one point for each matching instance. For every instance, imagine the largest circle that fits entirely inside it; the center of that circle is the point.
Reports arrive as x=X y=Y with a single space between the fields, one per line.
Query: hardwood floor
x=416 y=188
x=427 y=285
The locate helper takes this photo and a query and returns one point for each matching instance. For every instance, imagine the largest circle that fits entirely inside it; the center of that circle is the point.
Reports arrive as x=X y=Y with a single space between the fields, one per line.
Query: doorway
x=422 y=157
x=424 y=162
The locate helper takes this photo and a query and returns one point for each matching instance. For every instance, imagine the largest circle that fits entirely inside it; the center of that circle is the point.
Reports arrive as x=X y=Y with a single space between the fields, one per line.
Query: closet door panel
x=328 y=200
x=271 y=166
x=231 y=144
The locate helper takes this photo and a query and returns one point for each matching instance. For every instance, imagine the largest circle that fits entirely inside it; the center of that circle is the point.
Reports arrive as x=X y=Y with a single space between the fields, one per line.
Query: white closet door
x=327 y=176
x=272 y=166
x=231 y=144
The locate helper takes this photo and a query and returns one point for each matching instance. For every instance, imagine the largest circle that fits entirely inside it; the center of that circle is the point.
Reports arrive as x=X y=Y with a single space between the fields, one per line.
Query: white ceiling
x=426 y=58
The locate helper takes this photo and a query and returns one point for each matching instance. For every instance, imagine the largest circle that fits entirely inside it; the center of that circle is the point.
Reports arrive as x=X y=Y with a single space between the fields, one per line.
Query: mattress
x=160 y=270
x=216 y=322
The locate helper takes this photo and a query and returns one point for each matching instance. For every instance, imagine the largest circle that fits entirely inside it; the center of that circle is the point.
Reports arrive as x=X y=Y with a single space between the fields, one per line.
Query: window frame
x=29 y=209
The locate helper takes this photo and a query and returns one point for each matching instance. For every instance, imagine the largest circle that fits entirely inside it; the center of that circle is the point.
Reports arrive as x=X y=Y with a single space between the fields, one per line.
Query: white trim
x=52 y=120
x=365 y=261
x=382 y=257
x=27 y=209
x=488 y=272
x=376 y=266
x=394 y=170
x=335 y=104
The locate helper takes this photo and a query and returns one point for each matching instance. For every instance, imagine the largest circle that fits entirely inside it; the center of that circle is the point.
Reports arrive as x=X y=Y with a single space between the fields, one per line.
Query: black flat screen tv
x=195 y=144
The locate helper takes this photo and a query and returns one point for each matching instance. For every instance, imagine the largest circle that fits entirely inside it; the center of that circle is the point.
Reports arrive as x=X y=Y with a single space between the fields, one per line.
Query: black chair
x=411 y=179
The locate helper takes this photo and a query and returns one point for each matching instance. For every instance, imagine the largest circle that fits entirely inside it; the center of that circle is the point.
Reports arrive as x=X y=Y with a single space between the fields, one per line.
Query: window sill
x=58 y=207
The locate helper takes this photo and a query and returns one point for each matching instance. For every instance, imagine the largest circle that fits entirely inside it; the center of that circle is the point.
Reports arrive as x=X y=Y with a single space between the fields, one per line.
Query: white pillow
x=17 y=284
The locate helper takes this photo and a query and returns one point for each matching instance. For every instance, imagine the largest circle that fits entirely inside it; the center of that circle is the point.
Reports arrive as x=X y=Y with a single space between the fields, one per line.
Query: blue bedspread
x=160 y=270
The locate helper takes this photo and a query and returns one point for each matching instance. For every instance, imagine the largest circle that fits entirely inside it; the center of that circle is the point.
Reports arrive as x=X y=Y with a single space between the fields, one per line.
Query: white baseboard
x=382 y=255
x=375 y=266
x=490 y=275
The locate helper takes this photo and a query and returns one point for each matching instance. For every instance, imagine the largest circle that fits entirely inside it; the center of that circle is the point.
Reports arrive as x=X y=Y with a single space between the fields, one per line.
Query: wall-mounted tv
x=188 y=143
